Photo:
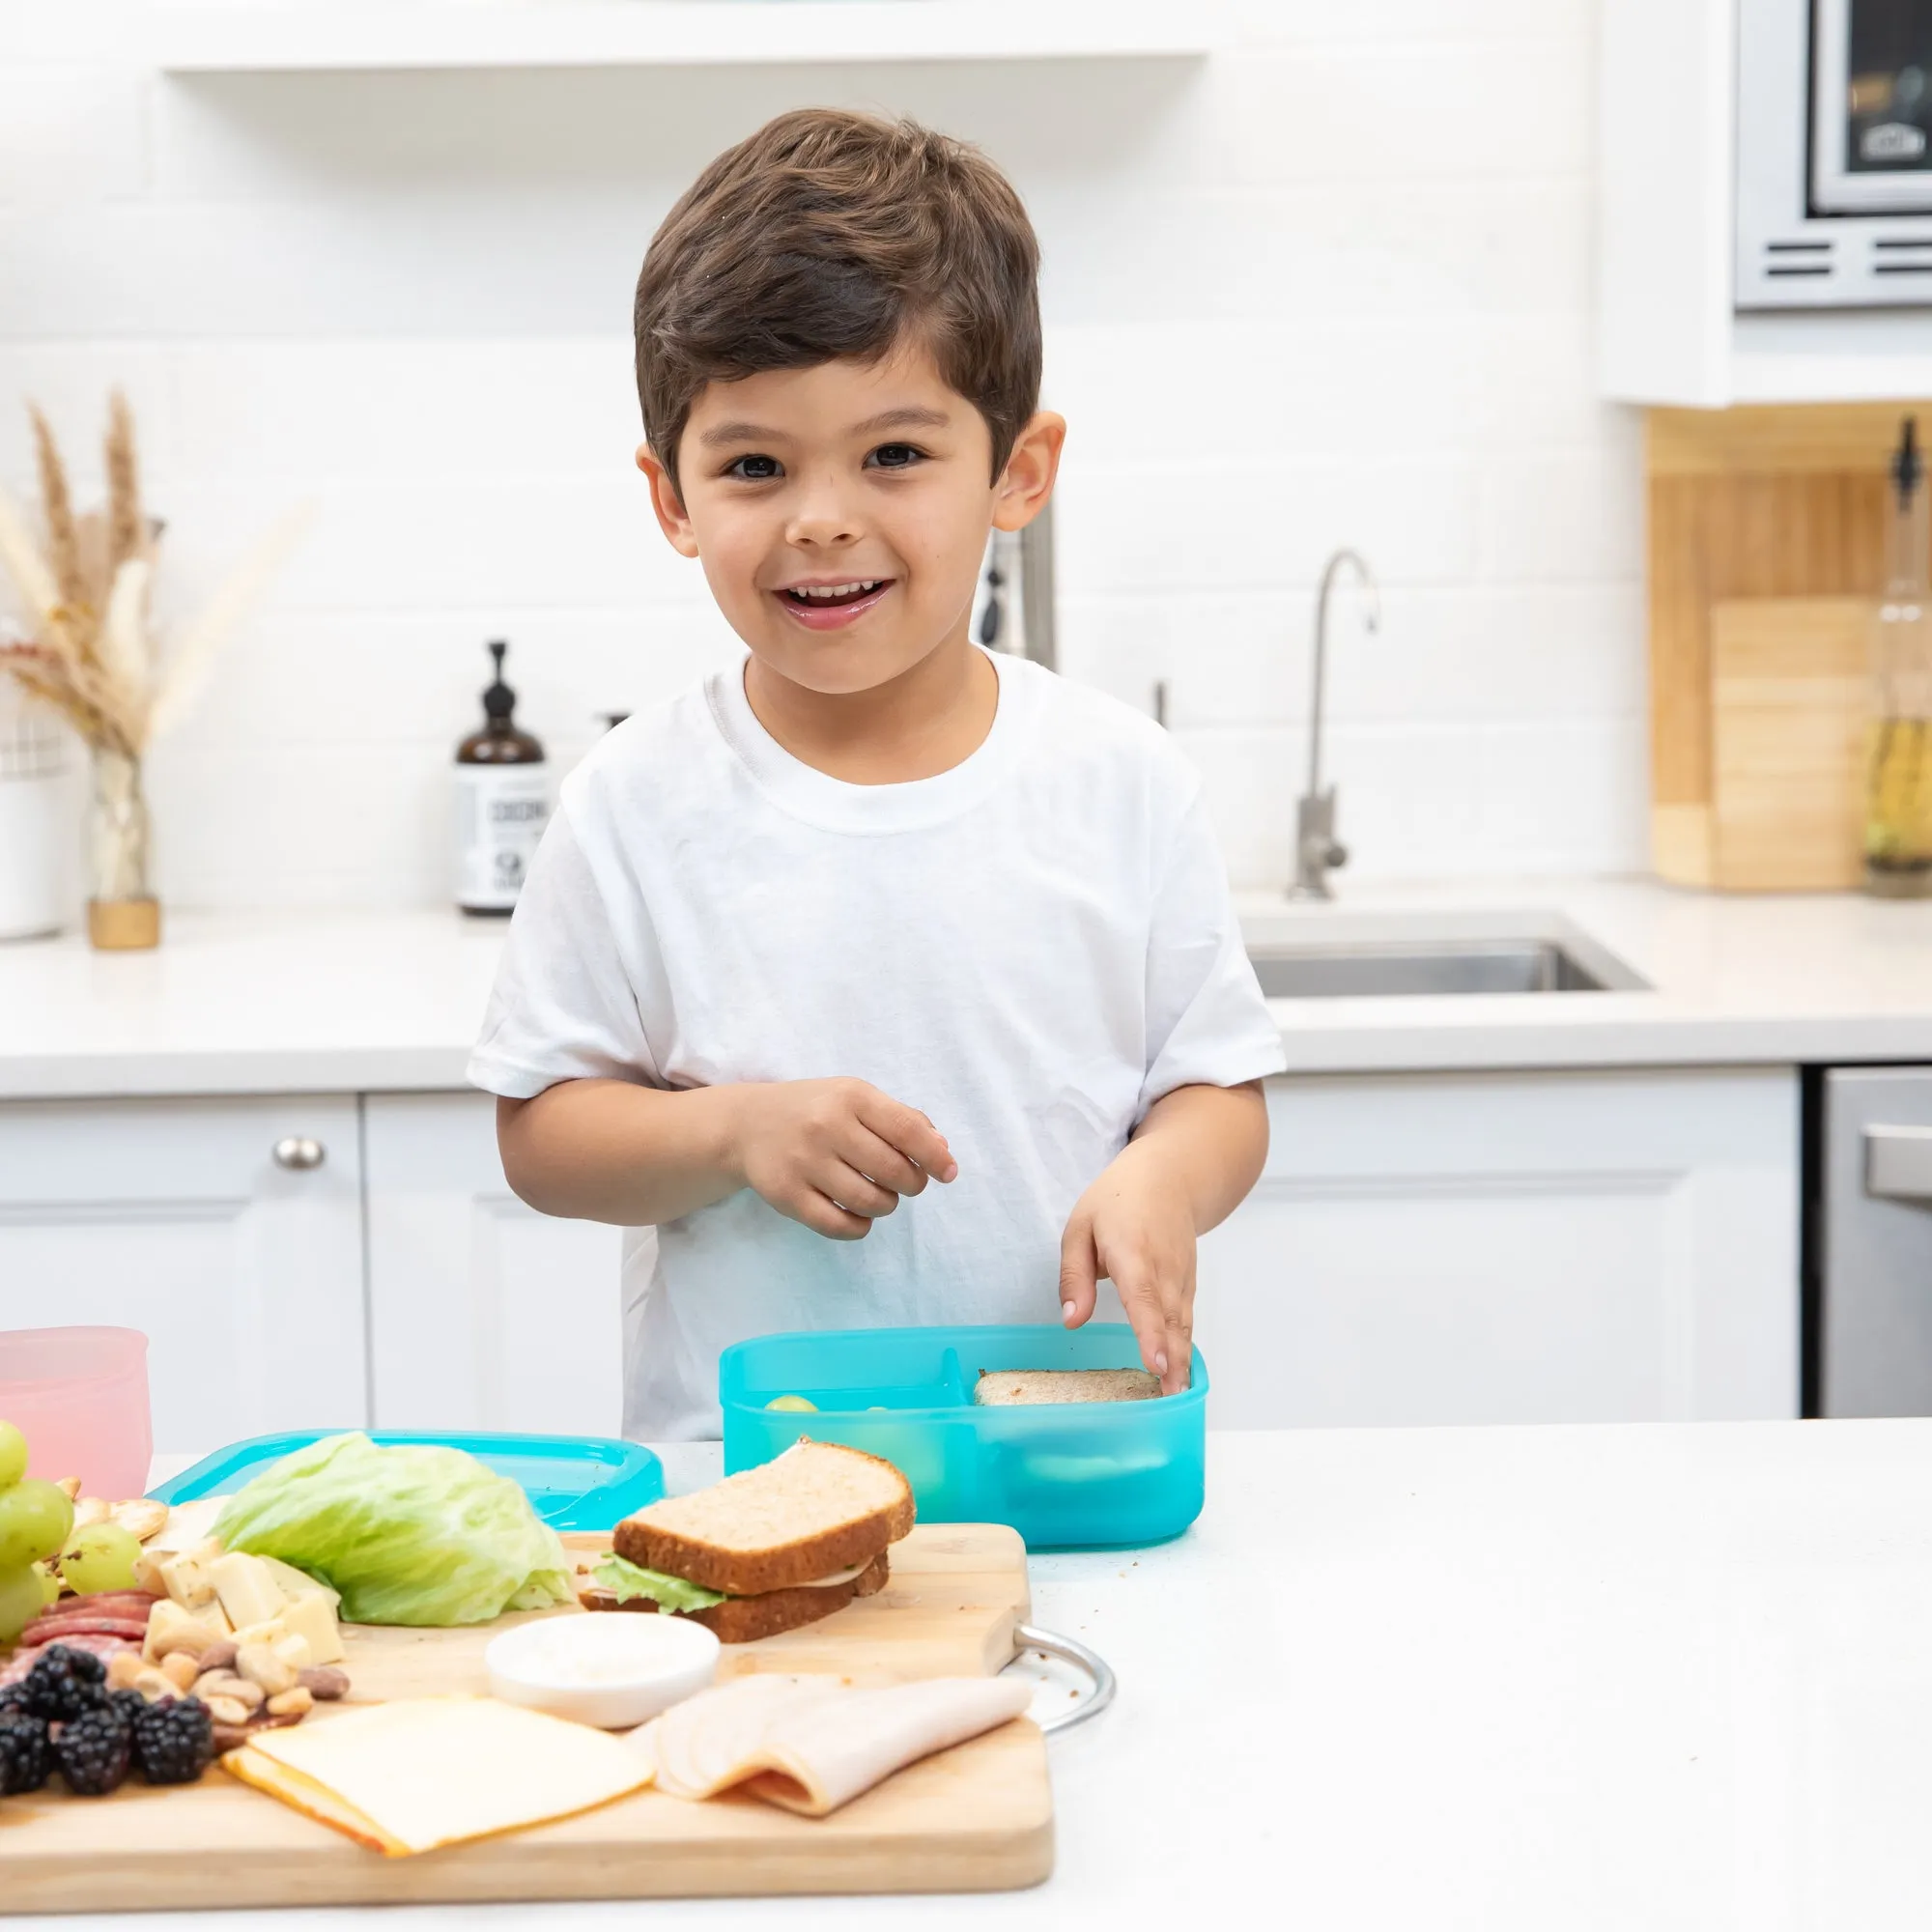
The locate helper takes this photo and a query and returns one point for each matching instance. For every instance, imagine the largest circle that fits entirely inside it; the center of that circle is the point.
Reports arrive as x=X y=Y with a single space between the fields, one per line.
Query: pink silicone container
x=80 y=1398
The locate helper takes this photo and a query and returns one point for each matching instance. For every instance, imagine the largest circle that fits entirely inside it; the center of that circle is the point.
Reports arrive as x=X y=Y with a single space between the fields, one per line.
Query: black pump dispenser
x=499 y=701
x=1907 y=464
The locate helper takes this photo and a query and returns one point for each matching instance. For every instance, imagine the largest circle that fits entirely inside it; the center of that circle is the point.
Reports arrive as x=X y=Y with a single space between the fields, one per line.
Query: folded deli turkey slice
x=423 y=1772
x=812 y=1743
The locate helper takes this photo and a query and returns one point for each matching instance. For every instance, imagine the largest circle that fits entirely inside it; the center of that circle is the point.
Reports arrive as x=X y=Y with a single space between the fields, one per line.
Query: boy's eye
x=895 y=456
x=754 y=469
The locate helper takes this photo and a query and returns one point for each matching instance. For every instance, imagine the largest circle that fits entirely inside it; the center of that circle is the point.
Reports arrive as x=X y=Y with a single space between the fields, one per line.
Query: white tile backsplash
x=1332 y=286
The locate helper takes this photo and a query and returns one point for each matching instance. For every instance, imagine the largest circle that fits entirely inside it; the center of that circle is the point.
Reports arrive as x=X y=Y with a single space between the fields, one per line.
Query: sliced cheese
x=422 y=1772
x=313 y=1619
x=248 y=1592
x=850 y=1575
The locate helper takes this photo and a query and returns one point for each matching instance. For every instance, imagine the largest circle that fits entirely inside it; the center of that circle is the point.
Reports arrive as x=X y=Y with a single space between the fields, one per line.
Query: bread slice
x=746 y=1619
x=812 y=1512
x=1010 y=1387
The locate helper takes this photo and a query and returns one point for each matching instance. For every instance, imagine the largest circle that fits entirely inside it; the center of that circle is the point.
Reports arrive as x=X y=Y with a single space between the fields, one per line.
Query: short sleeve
x=1206 y=1022
x=564 y=1006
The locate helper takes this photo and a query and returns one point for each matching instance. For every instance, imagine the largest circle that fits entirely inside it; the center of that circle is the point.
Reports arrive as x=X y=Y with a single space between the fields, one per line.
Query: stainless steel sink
x=1360 y=965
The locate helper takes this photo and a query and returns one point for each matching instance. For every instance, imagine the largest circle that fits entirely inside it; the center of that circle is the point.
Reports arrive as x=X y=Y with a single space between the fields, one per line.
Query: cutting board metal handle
x=1028 y=1636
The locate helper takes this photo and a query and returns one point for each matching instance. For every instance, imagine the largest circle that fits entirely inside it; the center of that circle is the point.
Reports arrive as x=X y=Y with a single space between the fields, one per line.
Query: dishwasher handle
x=1898 y=1164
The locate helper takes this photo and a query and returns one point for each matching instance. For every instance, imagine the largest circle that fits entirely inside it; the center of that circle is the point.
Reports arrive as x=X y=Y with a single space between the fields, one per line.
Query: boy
x=886 y=982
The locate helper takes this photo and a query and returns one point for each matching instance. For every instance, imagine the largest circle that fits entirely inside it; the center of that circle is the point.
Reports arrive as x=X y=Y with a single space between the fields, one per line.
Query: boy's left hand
x=1135 y=1227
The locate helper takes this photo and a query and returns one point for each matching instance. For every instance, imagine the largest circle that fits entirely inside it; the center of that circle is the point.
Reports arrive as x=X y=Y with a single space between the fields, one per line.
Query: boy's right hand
x=834 y=1154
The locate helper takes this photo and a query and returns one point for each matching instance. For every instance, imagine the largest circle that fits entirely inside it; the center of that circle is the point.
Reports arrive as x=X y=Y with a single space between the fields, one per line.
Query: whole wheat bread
x=746 y=1619
x=1011 y=1387
x=818 y=1509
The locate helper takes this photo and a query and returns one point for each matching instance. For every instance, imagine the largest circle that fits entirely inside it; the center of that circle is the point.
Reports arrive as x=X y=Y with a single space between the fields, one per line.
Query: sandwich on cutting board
x=764 y=1550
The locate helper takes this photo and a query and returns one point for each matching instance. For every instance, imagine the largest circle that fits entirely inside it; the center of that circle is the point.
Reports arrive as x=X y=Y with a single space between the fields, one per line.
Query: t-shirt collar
x=807 y=793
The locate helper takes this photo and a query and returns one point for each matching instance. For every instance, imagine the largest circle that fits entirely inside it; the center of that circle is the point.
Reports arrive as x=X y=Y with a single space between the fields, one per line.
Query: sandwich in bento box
x=764 y=1550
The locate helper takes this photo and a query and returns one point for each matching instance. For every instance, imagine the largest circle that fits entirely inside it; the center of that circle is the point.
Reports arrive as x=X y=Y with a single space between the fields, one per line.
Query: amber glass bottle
x=502 y=803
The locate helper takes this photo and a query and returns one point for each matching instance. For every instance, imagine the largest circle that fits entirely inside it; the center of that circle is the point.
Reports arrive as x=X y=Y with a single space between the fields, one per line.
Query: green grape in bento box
x=20 y=1602
x=13 y=1454
x=35 y=1517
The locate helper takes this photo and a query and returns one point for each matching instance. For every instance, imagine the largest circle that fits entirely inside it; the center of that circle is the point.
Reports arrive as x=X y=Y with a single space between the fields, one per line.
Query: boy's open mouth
x=823 y=606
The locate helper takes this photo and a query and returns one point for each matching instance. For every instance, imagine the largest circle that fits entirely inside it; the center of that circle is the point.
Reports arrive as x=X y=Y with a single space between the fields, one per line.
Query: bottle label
x=500 y=814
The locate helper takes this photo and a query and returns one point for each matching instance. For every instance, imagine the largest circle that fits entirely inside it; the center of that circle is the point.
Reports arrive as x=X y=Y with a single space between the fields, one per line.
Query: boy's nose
x=821 y=517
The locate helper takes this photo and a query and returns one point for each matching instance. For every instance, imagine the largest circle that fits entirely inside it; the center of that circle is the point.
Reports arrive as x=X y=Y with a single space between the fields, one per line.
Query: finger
x=908 y=1131
x=853 y=1191
x=1179 y=1313
x=1140 y=1301
x=878 y=1160
x=1078 y=1271
x=824 y=1216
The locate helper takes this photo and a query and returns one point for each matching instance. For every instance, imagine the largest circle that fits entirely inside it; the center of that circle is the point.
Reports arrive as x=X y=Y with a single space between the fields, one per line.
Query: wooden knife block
x=1774 y=517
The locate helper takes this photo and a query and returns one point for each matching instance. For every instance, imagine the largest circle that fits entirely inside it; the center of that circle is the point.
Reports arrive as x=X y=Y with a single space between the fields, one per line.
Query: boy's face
x=841 y=511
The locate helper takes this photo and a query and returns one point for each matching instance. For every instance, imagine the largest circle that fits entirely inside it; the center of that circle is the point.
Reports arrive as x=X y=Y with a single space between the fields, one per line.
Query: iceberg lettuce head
x=408 y=1533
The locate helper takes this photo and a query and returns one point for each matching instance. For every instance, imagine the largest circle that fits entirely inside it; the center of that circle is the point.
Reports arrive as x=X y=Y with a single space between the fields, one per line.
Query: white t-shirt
x=1031 y=947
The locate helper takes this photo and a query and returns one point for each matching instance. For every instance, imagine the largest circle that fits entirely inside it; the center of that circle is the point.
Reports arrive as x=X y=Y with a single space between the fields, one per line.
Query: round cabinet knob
x=300 y=1154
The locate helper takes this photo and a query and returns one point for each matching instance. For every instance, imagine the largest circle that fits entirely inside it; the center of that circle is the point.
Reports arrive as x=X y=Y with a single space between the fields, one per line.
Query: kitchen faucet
x=1316 y=850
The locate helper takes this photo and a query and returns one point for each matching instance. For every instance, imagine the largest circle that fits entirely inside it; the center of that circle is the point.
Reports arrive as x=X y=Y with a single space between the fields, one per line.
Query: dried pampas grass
x=96 y=656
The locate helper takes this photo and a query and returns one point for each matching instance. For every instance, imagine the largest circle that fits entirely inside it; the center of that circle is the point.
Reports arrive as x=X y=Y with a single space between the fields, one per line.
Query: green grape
x=100 y=1557
x=50 y=1584
x=13 y=1454
x=20 y=1602
x=35 y=1519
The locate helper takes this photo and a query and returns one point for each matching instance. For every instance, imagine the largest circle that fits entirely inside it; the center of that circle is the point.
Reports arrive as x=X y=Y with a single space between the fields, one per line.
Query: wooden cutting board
x=976 y=1818
x=1790 y=701
x=1751 y=504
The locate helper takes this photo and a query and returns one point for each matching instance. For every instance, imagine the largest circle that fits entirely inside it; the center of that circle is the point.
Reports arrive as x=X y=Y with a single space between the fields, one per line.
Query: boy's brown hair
x=827 y=234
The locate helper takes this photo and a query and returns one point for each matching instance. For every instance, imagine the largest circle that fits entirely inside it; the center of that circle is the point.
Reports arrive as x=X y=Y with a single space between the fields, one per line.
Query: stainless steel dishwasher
x=1874 y=1243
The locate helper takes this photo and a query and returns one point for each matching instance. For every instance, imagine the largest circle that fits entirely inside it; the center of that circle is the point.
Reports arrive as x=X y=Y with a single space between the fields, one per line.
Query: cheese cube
x=313 y=1619
x=248 y=1593
x=294 y=1582
x=187 y=1582
x=271 y=1631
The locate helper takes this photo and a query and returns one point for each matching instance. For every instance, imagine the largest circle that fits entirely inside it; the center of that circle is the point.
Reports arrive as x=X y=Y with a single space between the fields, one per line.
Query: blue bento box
x=1072 y=1475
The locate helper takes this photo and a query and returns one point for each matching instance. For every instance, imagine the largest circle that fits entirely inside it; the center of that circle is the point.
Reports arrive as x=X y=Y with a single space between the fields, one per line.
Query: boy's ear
x=667 y=504
x=1026 y=481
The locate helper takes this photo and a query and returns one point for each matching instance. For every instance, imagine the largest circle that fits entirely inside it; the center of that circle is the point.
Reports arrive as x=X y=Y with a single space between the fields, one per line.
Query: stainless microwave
x=1834 y=153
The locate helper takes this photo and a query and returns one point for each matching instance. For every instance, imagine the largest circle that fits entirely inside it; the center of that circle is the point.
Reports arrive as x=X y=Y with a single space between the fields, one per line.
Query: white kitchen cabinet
x=1563 y=1247
x=175 y=1217
x=484 y=1314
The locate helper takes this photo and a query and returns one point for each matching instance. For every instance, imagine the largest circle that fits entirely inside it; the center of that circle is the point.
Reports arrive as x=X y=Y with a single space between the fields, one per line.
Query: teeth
x=824 y=592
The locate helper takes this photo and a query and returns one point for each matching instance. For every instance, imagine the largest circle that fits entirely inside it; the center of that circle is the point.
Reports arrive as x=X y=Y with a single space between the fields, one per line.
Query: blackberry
x=63 y=1683
x=174 y=1741
x=129 y=1703
x=25 y=1756
x=93 y=1750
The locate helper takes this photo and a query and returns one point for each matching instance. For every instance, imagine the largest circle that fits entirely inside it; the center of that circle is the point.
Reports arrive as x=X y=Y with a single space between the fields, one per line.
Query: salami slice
x=58 y=1629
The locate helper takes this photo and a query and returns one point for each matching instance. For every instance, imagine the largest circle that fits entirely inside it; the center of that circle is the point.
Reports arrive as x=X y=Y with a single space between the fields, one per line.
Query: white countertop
x=343 y=1003
x=1676 y=1677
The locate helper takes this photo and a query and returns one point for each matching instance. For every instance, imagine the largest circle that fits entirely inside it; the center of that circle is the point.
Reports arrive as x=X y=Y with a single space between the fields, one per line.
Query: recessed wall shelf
x=287 y=36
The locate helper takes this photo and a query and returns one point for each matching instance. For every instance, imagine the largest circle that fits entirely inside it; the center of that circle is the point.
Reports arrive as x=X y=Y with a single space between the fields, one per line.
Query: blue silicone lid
x=574 y=1482
x=1066 y=1476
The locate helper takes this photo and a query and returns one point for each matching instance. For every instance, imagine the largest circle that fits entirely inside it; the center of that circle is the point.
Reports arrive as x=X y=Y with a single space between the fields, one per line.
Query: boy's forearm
x=1213 y=1140
x=610 y=1150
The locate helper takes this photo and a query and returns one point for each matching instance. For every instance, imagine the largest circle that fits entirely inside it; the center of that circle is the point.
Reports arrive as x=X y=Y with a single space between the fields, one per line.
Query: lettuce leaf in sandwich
x=670 y=1594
